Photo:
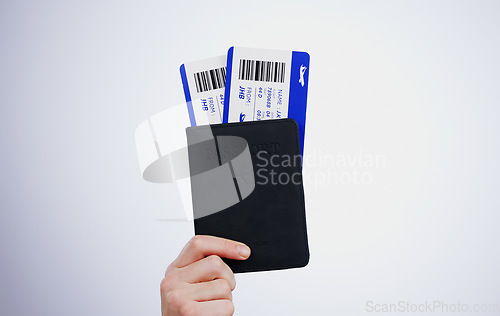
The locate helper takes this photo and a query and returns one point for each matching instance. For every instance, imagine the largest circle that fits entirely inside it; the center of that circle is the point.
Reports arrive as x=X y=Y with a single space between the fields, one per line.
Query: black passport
x=246 y=183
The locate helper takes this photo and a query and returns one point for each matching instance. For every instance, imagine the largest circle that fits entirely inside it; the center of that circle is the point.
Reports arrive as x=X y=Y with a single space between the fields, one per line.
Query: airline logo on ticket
x=204 y=82
x=266 y=84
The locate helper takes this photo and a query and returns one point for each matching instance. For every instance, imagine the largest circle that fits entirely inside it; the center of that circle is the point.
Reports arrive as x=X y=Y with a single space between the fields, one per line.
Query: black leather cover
x=271 y=219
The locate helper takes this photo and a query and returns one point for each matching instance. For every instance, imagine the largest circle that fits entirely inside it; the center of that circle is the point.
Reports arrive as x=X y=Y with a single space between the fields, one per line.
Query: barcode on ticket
x=210 y=79
x=258 y=70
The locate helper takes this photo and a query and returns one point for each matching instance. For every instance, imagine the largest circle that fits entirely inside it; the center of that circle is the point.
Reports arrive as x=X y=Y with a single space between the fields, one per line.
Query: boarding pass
x=204 y=83
x=266 y=84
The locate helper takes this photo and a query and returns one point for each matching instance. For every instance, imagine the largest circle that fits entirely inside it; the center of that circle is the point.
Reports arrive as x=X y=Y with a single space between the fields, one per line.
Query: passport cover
x=265 y=206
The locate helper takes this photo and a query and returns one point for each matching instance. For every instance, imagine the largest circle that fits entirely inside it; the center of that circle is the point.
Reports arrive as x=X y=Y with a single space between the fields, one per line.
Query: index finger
x=201 y=246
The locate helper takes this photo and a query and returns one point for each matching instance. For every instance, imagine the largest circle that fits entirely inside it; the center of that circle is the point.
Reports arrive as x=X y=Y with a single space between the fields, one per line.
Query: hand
x=198 y=282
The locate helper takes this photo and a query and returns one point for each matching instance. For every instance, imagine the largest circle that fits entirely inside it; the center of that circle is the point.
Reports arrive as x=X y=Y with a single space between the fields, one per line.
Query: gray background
x=415 y=82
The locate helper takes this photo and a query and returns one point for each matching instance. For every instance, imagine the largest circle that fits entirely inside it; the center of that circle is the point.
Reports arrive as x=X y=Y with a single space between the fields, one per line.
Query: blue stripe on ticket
x=187 y=95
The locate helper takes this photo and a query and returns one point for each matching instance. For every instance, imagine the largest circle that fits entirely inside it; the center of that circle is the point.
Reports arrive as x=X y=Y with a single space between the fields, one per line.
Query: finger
x=201 y=246
x=207 y=269
x=208 y=291
x=212 y=308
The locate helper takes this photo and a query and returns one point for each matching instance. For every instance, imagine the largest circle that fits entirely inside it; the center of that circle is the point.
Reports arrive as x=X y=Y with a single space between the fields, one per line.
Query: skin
x=198 y=282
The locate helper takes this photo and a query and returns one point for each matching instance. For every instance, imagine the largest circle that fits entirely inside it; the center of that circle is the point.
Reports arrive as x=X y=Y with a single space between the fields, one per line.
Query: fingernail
x=243 y=251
